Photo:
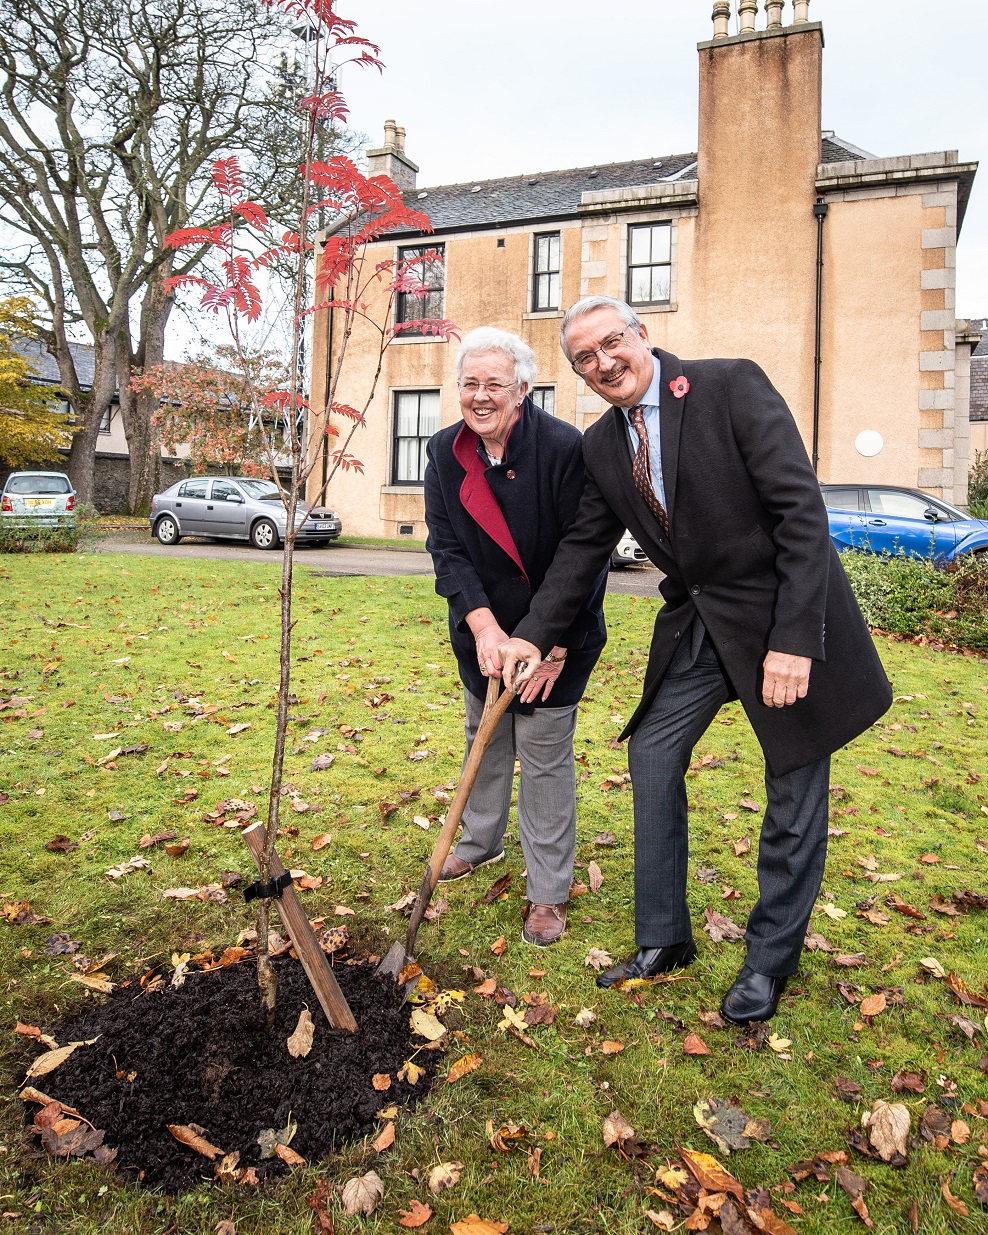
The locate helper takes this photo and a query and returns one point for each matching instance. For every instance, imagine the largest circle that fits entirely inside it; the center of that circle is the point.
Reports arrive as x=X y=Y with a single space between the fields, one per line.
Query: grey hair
x=490 y=339
x=587 y=305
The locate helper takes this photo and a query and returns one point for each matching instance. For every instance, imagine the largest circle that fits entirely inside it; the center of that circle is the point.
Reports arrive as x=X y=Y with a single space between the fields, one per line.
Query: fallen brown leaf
x=695 y=1045
x=445 y=1175
x=595 y=876
x=871 y=1005
x=52 y=1059
x=497 y=888
x=462 y=1067
x=288 y=1155
x=300 y=1043
x=709 y=1173
x=385 y=1139
x=473 y=1224
x=955 y=1203
x=416 y=1215
x=855 y=1186
x=499 y=946
x=915 y=1082
x=888 y=1130
x=194 y=1137
x=381 y=1081
x=363 y=1194
x=721 y=928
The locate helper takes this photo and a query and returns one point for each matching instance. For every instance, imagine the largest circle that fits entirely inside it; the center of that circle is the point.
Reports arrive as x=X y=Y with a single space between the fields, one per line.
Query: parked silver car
x=38 y=499
x=235 y=508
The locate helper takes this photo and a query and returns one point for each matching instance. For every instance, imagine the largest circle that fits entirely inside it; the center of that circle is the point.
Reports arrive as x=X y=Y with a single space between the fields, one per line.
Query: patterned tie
x=641 y=469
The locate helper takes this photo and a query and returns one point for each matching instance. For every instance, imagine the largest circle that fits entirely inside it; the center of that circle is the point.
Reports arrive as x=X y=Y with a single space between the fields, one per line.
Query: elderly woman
x=501 y=489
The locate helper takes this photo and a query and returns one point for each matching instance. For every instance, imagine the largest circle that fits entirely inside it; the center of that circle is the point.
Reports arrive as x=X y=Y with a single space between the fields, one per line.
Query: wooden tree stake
x=296 y=922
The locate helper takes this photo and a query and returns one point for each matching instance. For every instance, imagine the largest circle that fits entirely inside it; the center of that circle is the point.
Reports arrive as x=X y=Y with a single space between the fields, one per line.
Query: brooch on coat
x=679 y=387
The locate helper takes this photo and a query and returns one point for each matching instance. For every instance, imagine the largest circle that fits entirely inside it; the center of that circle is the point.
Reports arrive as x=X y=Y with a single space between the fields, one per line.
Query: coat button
x=678 y=633
x=510 y=473
x=695 y=590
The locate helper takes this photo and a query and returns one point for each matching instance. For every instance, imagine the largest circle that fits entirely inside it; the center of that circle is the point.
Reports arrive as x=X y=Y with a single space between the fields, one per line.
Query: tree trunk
x=88 y=409
x=143 y=440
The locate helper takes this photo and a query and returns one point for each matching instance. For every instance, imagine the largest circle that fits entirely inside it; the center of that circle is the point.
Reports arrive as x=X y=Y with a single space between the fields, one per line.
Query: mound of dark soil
x=203 y=1055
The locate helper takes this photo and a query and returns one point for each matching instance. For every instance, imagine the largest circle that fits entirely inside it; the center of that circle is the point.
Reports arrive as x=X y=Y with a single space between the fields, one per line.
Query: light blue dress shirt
x=650 y=407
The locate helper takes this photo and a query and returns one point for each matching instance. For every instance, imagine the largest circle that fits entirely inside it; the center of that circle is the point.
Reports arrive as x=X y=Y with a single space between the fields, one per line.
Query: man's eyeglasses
x=587 y=361
x=494 y=389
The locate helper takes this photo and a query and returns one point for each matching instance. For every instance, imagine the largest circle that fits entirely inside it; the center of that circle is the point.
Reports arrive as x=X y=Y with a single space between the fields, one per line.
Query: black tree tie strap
x=268 y=891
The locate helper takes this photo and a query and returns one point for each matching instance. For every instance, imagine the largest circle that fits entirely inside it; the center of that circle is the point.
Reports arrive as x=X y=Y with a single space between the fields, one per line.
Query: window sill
x=659 y=307
x=534 y=316
x=401 y=339
x=412 y=487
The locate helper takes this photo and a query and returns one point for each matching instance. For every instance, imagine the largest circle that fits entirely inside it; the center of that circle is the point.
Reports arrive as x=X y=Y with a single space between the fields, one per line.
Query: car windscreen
x=258 y=488
x=38 y=484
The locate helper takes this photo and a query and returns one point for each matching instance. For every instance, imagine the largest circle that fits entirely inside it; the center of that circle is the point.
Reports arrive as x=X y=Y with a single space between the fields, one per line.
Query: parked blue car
x=890 y=519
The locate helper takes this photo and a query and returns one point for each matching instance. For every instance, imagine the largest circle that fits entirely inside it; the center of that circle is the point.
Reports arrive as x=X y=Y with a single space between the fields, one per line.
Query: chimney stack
x=773 y=9
x=722 y=19
x=390 y=158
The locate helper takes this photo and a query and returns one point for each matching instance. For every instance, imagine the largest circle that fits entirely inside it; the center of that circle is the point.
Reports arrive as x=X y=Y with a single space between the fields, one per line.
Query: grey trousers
x=543 y=743
x=792 y=848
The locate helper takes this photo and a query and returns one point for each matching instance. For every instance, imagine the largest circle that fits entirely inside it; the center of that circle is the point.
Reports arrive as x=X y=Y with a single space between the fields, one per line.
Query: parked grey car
x=235 y=508
x=38 y=499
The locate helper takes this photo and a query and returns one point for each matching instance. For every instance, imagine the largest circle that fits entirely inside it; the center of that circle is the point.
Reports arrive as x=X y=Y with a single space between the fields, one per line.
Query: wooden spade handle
x=494 y=708
x=296 y=922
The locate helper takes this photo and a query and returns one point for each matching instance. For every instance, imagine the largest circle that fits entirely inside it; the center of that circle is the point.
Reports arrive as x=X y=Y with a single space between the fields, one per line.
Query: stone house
x=832 y=268
x=112 y=474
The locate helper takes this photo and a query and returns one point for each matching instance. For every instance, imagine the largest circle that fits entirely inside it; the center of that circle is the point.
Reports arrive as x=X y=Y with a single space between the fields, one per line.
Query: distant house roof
x=556 y=194
x=83 y=354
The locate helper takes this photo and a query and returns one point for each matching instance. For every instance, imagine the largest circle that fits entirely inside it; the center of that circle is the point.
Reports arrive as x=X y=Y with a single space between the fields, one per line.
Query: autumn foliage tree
x=204 y=405
x=359 y=211
x=33 y=428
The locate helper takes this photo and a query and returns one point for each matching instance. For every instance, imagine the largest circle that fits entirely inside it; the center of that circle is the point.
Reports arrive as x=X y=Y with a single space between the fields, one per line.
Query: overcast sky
x=488 y=88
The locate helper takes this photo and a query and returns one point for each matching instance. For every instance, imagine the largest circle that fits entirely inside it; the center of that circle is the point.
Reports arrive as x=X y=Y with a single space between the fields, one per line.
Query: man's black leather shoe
x=753 y=997
x=647 y=962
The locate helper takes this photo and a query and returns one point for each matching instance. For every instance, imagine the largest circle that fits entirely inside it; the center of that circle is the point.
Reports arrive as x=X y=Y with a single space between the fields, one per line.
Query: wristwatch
x=552 y=659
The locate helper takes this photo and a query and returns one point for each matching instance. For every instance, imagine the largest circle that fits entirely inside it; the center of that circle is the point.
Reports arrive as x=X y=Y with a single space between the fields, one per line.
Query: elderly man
x=703 y=462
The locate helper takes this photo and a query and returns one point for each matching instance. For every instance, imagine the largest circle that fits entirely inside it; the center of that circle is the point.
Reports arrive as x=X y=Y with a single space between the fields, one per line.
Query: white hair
x=490 y=339
x=587 y=305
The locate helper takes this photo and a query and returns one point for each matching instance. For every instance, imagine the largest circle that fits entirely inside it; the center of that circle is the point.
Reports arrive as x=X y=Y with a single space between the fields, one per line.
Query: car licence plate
x=38 y=501
x=325 y=527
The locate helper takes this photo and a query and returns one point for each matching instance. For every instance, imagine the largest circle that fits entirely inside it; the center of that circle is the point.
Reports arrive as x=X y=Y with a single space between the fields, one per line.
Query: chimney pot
x=802 y=12
x=391 y=160
x=747 y=10
x=773 y=9
x=722 y=19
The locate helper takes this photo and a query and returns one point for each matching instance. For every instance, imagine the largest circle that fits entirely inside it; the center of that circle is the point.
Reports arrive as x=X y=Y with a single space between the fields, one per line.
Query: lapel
x=477 y=496
x=670 y=425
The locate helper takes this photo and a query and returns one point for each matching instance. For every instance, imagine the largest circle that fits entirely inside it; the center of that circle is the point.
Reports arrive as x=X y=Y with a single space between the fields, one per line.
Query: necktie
x=641 y=469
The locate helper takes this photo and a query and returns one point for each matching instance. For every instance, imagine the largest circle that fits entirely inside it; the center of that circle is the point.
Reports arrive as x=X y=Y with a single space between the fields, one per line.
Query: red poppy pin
x=680 y=387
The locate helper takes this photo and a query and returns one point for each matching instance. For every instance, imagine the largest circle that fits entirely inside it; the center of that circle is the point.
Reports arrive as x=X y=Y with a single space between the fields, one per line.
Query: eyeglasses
x=494 y=389
x=586 y=361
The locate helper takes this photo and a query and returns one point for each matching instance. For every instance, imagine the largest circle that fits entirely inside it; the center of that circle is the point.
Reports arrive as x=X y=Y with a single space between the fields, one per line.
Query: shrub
x=48 y=539
x=911 y=597
x=977 y=485
x=897 y=594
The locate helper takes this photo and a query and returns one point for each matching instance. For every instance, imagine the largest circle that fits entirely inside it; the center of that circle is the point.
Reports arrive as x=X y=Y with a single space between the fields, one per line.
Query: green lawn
x=132 y=649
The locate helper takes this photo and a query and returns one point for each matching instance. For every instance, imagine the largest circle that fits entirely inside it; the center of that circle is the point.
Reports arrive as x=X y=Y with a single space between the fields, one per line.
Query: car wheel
x=166 y=530
x=264 y=535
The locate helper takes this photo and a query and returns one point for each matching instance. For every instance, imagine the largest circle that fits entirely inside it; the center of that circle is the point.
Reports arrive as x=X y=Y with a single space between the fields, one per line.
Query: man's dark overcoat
x=537 y=488
x=750 y=553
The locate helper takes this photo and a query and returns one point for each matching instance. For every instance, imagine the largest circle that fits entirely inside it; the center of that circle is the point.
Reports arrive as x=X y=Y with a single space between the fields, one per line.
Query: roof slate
x=47 y=366
x=556 y=194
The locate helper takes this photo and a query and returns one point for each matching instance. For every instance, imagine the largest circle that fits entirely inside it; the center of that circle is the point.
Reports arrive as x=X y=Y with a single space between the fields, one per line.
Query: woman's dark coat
x=537 y=487
x=749 y=551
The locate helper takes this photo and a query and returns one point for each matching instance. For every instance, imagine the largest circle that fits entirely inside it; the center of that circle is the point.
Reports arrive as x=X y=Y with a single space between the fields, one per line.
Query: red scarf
x=478 y=497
